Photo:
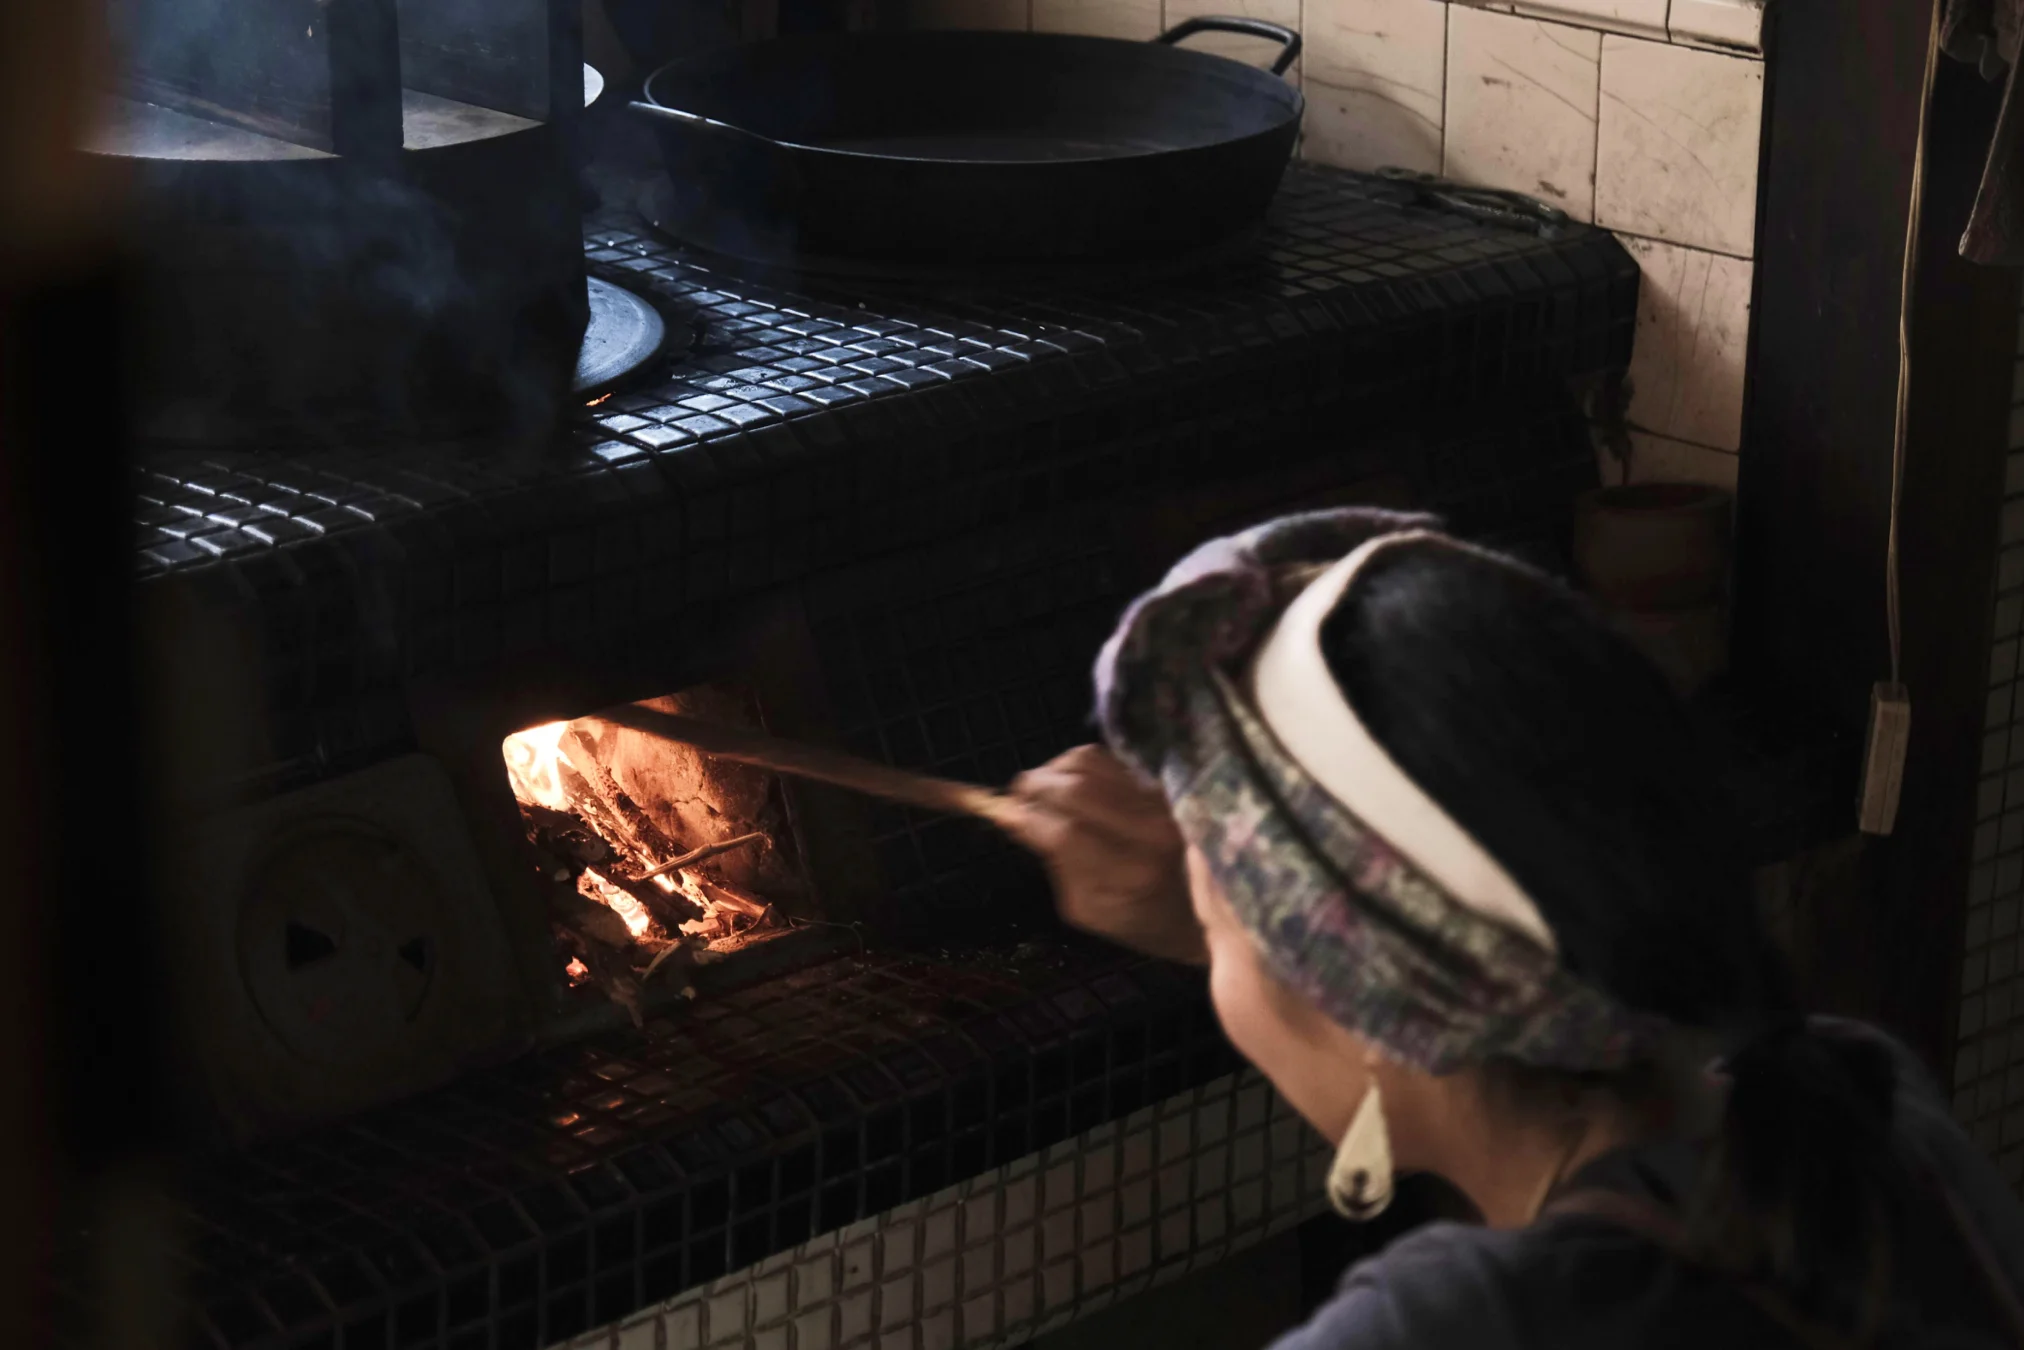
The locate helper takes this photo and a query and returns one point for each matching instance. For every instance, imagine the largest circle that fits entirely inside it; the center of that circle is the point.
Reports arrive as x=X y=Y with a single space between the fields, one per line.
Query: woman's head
x=1507 y=705
x=1562 y=751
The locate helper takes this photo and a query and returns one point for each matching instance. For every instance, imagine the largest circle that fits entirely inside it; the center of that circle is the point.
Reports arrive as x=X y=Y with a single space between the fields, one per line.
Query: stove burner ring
x=625 y=333
x=659 y=206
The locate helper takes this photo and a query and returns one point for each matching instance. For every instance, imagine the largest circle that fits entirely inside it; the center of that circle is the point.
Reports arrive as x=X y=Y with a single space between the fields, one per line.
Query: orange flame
x=534 y=765
x=594 y=887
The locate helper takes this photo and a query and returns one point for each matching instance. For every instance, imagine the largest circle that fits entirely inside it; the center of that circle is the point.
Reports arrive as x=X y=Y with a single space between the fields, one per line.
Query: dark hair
x=1511 y=701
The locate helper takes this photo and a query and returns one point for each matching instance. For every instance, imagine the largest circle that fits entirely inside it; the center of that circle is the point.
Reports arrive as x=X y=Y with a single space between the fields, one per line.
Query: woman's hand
x=1112 y=849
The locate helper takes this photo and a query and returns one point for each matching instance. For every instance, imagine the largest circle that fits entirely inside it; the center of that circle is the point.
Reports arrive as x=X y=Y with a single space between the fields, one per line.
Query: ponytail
x=1802 y=1188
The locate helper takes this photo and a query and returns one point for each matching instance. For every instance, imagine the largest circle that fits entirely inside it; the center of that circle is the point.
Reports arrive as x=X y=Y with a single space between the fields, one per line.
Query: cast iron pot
x=973 y=147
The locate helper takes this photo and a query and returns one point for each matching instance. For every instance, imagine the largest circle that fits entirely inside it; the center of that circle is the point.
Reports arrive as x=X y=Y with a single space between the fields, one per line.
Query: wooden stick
x=734 y=898
x=696 y=855
x=745 y=745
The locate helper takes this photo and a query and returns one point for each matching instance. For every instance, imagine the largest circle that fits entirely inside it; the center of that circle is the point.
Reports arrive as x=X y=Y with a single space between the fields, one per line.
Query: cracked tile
x=1521 y=105
x=1693 y=325
x=1721 y=23
x=1374 y=77
x=1138 y=20
x=1636 y=16
x=1677 y=140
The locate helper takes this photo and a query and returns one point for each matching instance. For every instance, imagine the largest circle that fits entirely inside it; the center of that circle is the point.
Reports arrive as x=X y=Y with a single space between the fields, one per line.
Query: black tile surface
x=574 y=1187
x=933 y=473
x=825 y=425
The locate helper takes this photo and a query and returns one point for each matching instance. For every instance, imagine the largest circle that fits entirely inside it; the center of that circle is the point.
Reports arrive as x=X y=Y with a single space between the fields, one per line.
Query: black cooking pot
x=972 y=147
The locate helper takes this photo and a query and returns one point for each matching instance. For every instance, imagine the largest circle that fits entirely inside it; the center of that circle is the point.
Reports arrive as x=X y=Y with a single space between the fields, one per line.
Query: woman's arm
x=1110 y=844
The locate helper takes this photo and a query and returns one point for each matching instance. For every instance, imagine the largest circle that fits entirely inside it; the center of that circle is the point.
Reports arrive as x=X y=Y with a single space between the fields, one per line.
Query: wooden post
x=1814 y=493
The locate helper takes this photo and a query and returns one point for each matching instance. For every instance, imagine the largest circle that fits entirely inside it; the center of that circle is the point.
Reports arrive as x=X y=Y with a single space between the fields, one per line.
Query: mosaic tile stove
x=936 y=477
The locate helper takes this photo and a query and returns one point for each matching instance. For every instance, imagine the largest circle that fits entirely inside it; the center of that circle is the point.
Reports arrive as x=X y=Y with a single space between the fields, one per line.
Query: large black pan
x=954 y=146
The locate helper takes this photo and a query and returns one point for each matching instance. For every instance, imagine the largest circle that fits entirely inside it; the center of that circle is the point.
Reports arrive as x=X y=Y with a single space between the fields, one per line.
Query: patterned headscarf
x=1350 y=918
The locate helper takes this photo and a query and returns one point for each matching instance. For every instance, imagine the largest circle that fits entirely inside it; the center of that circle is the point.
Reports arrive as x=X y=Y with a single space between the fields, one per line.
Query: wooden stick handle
x=745 y=745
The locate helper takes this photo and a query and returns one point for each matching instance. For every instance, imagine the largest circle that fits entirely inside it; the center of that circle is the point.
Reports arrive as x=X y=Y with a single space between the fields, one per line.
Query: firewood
x=696 y=855
x=678 y=956
x=616 y=979
x=588 y=917
x=671 y=909
x=735 y=898
x=630 y=831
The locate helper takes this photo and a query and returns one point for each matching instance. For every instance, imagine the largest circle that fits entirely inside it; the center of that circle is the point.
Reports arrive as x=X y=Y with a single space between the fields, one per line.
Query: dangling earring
x=1360 y=1179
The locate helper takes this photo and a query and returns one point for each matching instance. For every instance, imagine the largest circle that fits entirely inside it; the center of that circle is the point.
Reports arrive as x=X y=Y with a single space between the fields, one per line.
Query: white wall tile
x=1255 y=51
x=1136 y=19
x=1727 y=25
x=1621 y=16
x=1676 y=151
x=1693 y=323
x=1374 y=74
x=643 y=1335
x=1361 y=129
x=853 y=1317
x=815 y=1281
x=1521 y=107
x=1349 y=43
x=1722 y=23
x=1660 y=459
x=770 y=1303
x=683 y=1327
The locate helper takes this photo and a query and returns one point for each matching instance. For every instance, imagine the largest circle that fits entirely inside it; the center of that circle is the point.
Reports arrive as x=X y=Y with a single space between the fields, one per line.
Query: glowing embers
x=657 y=858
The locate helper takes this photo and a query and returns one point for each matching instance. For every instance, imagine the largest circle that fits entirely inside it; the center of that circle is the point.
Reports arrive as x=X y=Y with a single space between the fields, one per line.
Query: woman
x=1472 y=902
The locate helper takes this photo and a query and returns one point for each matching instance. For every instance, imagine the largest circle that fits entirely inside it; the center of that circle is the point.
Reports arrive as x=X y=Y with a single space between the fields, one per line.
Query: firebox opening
x=657 y=859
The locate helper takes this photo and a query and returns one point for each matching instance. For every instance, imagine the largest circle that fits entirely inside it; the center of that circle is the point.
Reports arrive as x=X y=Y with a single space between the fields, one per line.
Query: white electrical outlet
x=338 y=947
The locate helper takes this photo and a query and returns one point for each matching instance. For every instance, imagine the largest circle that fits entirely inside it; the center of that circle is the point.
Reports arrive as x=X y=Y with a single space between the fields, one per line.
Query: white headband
x=1298 y=699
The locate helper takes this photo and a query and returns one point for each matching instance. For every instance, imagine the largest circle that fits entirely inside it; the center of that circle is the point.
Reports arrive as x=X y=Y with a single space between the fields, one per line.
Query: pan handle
x=658 y=112
x=1249 y=27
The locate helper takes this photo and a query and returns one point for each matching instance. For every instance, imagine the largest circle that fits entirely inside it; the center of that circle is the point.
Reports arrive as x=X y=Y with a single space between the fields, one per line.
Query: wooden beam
x=1963 y=343
x=1843 y=95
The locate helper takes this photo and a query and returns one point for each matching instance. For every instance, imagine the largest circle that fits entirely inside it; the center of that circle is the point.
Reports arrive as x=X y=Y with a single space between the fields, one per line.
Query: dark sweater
x=1583 y=1284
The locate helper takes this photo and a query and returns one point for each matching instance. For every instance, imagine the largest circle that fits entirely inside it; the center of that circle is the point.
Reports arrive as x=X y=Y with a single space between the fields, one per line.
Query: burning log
x=607 y=971
x=605 y=810
x=678 y=957
x=631 y=830
x=617 y=981
x=587 y=917
x=669 y=908
x=735 y=898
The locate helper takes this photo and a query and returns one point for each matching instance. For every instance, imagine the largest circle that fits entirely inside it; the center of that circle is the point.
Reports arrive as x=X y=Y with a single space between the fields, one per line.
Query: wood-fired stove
x=896 y=518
